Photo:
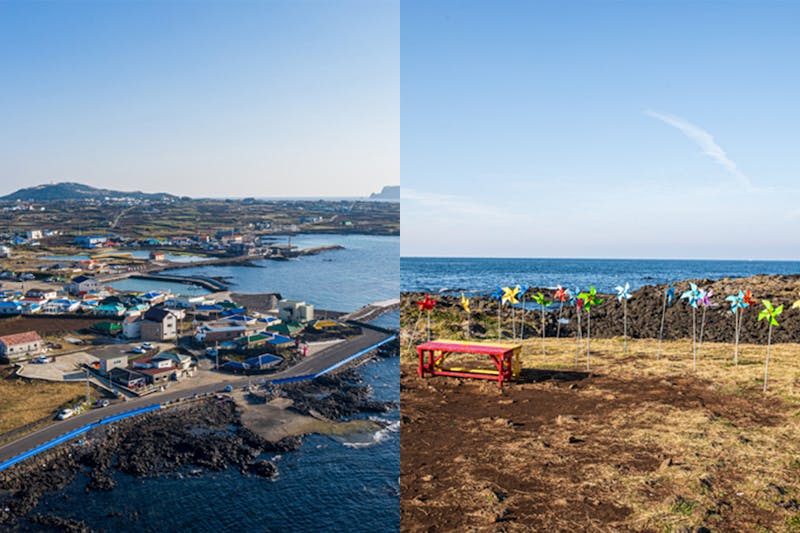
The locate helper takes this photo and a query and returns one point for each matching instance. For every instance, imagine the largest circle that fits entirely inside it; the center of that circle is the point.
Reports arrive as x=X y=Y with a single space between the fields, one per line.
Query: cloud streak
x=705 y=141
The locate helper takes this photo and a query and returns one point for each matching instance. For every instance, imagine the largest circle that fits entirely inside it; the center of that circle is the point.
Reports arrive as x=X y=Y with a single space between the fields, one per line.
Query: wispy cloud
x=706 y=143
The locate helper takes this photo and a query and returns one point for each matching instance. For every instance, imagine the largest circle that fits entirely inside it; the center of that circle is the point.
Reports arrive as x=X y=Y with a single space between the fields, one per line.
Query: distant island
x=389 y=192
x=70 y=191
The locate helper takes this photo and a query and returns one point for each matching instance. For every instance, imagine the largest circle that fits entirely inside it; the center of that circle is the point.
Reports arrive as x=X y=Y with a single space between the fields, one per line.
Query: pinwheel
x=543 y=304
x=561 y=296
x=465 y=306
x=590 y=299
x=738 y=305
x=498 y=295
x=575 y=300
x=623 y=295
x=521 y=295
x=427 y=305
x=769 y=313
x=705 y=302
x=693 y=297
x=510 y=297
x=669 y=295
x=796 y=304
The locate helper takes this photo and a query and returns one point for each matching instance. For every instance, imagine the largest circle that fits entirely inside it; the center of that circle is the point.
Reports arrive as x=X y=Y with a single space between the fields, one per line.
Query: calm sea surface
x=480 y=276
x=326 y=485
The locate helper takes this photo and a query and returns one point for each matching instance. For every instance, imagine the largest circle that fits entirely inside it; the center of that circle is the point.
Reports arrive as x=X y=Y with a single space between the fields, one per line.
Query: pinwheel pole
x=465 y=306
x=561 y=296
x=590 y=299
x=693 y=296
x=539 y=299
x=663 y=319
x=705 y=301
x=522 y=290
x=769 y=313
x=579 y=338
x=623 y=295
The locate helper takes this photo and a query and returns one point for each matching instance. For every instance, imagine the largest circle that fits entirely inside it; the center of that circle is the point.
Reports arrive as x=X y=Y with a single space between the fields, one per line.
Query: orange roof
x=20 y=338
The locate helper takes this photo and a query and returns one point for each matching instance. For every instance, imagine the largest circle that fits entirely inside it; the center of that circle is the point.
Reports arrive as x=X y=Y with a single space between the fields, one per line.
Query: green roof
x=286 y=328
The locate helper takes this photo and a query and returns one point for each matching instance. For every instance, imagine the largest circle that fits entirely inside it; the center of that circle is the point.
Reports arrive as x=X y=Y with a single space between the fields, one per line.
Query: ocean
x=481 y=276
x=327 y=484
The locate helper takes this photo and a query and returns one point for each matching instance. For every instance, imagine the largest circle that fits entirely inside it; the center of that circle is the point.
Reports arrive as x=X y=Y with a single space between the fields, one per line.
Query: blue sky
x=258 y=98
x=600 y=129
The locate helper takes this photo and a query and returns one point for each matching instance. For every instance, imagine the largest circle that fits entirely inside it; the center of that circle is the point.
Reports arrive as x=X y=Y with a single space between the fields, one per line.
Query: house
x=127 y=378
x=61 y=305
x=152 y=362
x=110 y=363
x=83 y=284
x=253 y=341
x=107 y=328
x=157 y=376
x=132 y=326
x=286 y=328
x=152 y=298
x=178 y=360
x=20 y=345
x=157 y=256
x=295 y=311
x=211 y=335
x=110 y=309
x=90 y=241
x=159 y=324
x=10 y=308
x=40 y=295
x=34 y=234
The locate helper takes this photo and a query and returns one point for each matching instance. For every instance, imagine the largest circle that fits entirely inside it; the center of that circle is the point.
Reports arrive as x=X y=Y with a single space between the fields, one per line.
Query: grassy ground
x=23 y=402
x=635 y=444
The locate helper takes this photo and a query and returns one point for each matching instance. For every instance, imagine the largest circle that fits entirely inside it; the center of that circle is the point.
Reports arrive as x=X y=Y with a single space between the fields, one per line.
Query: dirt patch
x=575 y=451
x=45 y=325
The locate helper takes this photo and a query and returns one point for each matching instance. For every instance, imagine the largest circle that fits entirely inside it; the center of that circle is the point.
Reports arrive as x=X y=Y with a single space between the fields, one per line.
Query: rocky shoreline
x=205 y=434
x=644 y=313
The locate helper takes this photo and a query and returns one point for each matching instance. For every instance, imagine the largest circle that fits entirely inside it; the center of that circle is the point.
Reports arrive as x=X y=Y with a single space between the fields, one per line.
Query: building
x=109 y=364
x=211 y=335
x=10 y=308
x=90 y=241
x=132 y=327
x=62 y=305
x=83 y=284
x=5 y=251
x=157 y=376
x=295 y=311
x=128 y=378
x=180 y=361
x=19 y=346
x=40 y=295
x=158 y=324
x=110 y=309
x=34 y=234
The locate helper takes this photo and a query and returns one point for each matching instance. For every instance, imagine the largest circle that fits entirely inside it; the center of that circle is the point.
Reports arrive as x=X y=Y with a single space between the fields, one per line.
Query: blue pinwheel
x=669 y=296
x=693 y=297
x=738 y=304
x=623 y=295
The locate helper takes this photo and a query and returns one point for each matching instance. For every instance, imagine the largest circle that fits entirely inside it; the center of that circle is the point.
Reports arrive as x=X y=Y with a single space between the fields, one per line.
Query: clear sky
x=600 y=129
x=258 y=98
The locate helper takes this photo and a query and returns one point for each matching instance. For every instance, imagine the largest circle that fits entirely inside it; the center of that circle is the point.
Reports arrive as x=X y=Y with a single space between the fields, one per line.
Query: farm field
x=634 y=444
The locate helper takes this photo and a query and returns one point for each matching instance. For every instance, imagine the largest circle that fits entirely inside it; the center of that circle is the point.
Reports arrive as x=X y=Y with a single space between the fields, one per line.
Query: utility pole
x=86 y=373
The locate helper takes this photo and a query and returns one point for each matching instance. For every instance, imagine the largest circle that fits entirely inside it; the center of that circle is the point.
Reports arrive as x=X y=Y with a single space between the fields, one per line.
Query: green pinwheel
x=769 y=313
x=543 y=305
x=590 y=299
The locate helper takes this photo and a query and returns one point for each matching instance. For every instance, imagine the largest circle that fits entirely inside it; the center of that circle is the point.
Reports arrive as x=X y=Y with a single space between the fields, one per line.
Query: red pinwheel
x=748 y=298
x=561 y=296
x=427 y=304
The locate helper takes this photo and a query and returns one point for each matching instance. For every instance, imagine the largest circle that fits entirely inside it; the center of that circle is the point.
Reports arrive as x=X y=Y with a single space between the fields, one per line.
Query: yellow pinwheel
x=510 y=295
x=796 y=304
x=465 y=302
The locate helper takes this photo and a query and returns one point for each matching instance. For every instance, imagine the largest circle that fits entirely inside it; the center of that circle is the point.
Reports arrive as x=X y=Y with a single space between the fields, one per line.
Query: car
x=228 y=388
x=65 y=413
x=138 y=349
x=102 y=403
x=147 y=346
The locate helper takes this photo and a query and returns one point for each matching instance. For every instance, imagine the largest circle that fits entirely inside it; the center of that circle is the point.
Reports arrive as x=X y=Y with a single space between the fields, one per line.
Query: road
x=309 y=366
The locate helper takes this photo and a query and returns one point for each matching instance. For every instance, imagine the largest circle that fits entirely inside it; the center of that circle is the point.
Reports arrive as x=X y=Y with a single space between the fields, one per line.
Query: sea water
x=481 y=276
x=325 y=485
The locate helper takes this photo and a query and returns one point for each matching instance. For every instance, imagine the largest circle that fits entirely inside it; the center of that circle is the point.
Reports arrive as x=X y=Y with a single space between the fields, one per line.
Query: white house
x=159 y=325
x=83 y=284
x=34 y=234
x=132 y=326
x=295 y=311
x=20 y=345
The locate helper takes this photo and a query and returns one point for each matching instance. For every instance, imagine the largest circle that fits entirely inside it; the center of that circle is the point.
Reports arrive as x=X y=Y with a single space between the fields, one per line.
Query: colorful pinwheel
x=769 y=313
x=623 y=295
x=705 y=302
x=427 y=305
x=669 y=296
x=465 y=306
x=561 y=296
x=693 y=297
x=590 y=299
x=543 y=304
x=748 y=298
x=510 y=297
x=737 y=306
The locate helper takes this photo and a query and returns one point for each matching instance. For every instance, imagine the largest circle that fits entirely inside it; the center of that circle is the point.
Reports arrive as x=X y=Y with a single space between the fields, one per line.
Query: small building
x=40 y=295
x=19 y=346
x=157 y=256
x=295 y=311
x=157 y=376
x=109 y=364
x=83 y=284
x=110 y=309
x=33 y=234
x=107 y=328
x=132 y=326
x=10 y=308
x=178 y=360
x=61 y=305
x=128 y=378
x=211 y=335
x=159 y=324
x=90 y=241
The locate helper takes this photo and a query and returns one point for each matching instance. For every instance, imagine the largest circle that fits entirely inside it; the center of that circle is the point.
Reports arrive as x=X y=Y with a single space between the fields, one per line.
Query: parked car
x=138 y=349
x=228 y=388
x=101 y=403
x=65 y=413
x=147 y=346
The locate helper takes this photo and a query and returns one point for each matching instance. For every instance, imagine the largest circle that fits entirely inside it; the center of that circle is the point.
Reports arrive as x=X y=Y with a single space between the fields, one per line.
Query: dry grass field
x=23 y=402
x=633 y=444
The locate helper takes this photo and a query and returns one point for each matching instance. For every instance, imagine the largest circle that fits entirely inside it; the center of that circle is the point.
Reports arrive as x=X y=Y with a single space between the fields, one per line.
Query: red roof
x=20 y=338
x=154 y=371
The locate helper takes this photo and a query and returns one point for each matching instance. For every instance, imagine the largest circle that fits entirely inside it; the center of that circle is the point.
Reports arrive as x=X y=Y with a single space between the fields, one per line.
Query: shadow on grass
x=533 y=375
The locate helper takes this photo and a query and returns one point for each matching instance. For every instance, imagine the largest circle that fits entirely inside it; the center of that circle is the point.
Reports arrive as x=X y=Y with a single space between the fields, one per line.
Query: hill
x=389 y=192
x=67 y=191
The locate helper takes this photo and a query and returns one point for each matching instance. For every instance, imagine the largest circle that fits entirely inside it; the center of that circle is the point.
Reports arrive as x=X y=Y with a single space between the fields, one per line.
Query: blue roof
x=235 y=311
x=279 y=339
x=263 y=359
x=208 y=308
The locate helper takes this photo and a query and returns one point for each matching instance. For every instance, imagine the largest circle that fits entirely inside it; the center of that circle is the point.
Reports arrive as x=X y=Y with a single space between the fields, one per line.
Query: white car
x=138 y=349
x=147 y=346
x=65 y=413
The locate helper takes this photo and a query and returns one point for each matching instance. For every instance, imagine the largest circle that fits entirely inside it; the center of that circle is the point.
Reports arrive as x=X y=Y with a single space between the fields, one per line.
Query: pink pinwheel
x=427 y=305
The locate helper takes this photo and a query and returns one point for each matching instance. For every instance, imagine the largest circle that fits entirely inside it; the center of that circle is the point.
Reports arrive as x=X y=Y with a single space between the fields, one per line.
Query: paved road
x=311 y=365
